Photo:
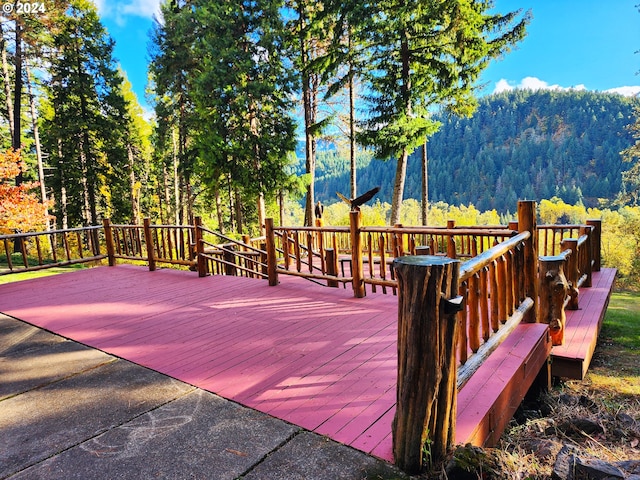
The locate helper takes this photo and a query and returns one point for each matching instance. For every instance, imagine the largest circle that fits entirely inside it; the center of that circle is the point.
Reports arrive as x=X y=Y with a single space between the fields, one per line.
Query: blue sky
x=586 y=44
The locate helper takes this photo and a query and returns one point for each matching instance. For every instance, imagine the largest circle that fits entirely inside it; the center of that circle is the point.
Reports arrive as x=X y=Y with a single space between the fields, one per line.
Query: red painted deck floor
x=315 y=357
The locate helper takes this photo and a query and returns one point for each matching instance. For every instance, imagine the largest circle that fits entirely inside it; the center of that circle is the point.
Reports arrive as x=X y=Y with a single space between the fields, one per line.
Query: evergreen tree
x=242 y=93
x=424 y=54
x=85 y=119
x=171 y=66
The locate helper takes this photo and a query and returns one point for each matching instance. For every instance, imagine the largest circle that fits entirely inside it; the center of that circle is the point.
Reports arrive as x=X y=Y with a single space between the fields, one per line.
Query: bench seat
x=487 y=402
x=571 y=360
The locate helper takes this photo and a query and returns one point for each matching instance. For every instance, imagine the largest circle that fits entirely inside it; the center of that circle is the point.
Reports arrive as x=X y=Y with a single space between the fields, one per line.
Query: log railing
x=152 y=244
x=566 y=266
x=228 y=256
x=24 y=252
x=495 y=299
x=328 y=253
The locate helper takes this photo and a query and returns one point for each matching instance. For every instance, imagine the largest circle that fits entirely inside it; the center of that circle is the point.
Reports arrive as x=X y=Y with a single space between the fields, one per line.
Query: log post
x=596 y=244
x=357 y=270
x=571 y=271
x=426 y=387
x=272 y=259
x=108 y=238
x=451 y=242
x=527 y=223
x=148 y=241
x=201 y=260
x=553 y=291
x=331 y=262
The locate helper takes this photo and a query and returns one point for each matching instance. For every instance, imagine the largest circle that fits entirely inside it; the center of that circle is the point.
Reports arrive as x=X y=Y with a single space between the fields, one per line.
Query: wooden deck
x=316 y=357
x=572 y=359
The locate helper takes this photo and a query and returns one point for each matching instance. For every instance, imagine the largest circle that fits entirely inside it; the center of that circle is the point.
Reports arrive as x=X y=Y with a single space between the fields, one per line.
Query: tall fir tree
x=85 y=119
x=425 y=54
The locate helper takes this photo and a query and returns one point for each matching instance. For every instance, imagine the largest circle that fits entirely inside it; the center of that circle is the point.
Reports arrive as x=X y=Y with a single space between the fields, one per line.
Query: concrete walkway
x=68 y=411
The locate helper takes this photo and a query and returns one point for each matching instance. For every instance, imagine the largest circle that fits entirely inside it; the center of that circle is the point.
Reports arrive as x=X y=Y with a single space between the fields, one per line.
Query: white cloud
x=626 y=91
x=534 y=83
x=531 y=83
x=121 y=9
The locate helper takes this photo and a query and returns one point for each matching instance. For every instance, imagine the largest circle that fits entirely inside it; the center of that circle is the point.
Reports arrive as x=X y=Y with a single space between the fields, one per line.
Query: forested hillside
x=519 y=144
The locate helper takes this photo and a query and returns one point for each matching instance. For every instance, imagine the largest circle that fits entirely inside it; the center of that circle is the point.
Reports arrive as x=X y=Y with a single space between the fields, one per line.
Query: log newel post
x=201 y=260
x=451 y=242
x=357 y=270
x=427 y=372
x=108 y=238
x=571 y=271
x=553 y=291
x=331 y=262
x=148 y=241
x=272 y=259
x=586 y=263
x=596 y=243
x=527 y=223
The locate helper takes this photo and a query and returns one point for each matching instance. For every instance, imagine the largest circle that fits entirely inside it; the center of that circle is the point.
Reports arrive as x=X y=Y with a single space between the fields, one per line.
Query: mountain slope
x=518 y=145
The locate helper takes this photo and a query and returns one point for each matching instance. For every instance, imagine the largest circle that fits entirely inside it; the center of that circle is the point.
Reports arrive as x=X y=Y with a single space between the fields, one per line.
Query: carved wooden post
x=201 y=260
x=451 y=243
x=331 y=262
x=571 y=271
x=426 y=387
x=229 y=257
x=356 y=255
x=148 y=240
x=596 y=243
x=108 y=238
x=272 y=259
x=527 y=223
x=553 y=291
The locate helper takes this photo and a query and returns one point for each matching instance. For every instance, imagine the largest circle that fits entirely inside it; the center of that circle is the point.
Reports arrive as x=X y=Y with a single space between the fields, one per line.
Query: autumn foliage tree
x=20 y=208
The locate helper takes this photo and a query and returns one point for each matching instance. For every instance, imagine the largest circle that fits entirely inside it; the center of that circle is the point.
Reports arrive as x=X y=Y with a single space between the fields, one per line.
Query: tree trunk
x=7 y=80
x=218 y=202
x=63 y=189
x=262 y=213
x=36 y=139
x=16 y=142
x=398 y=187
x=176 y=182
x=352 y=129
x=133 y=190
x=424 y=204
x=239 y=215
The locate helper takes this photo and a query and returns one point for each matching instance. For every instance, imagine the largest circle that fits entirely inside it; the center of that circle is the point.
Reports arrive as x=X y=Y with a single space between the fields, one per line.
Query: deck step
x=487 y=402
x=571 y=360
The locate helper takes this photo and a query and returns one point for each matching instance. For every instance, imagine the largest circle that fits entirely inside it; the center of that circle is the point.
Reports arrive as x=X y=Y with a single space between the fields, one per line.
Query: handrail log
x=471 y=267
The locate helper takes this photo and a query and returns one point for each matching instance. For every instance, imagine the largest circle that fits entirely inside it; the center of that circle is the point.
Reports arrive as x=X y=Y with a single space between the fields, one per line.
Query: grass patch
x=16 y=277
x=615 y=369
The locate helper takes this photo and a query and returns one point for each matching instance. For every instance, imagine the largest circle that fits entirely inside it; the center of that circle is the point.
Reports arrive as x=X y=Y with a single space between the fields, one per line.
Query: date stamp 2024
x=24 y=8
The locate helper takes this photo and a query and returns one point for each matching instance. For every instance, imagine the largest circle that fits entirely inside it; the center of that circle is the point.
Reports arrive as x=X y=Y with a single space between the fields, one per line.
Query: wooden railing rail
x=231 y=257
x=153 y=244
x=54 y=248
x=550 y=238
x=495 y=300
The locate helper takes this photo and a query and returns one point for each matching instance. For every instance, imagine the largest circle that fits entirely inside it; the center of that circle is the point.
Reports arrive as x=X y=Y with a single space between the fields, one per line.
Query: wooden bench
x=488 y=401
x=572 y=359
